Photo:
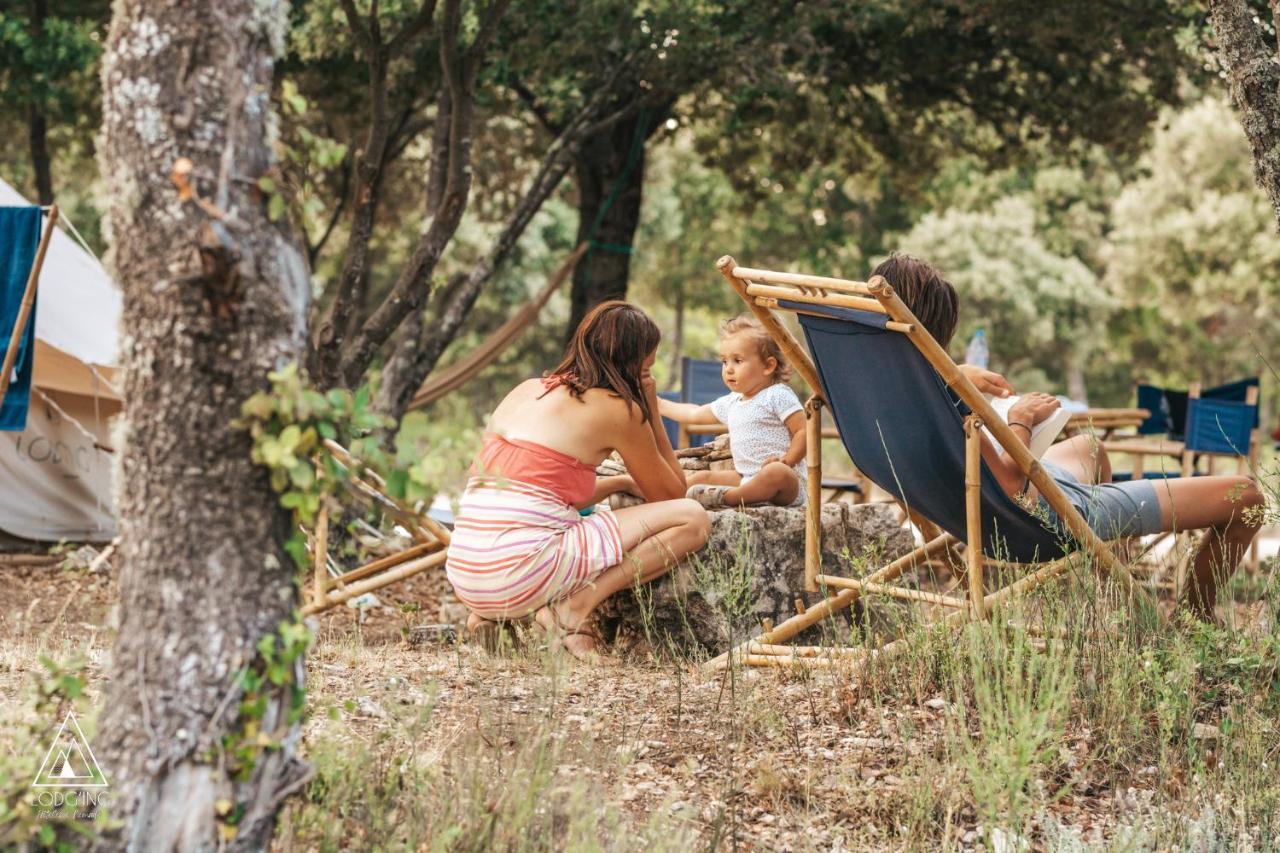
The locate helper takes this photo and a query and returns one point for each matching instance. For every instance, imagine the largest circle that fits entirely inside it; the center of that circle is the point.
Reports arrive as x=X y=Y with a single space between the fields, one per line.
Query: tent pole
x=28 y=300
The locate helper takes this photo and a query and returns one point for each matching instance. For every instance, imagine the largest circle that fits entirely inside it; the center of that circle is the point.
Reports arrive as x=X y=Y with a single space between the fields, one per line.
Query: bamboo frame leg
x=28 y=301
x=833 y=604
x=320 y=560
x=813 y=502
x=973 y=510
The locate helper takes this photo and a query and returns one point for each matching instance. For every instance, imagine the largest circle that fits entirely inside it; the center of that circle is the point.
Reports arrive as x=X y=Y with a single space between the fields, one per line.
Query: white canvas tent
x=55 y=476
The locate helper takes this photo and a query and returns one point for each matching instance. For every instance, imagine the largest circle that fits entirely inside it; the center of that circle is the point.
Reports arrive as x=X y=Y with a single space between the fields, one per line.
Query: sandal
x=711 y=497
x=560 y=632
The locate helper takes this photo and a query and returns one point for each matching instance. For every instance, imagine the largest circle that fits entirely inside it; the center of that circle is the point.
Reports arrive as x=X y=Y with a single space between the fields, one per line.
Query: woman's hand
x=1033 y=408
x=648 y=384
x=987 y=381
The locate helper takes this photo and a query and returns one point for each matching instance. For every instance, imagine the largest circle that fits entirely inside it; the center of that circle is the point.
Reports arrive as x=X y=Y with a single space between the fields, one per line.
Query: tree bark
x=609 y=172
x=1249 y=59
x=37 y=123
x=215 y=296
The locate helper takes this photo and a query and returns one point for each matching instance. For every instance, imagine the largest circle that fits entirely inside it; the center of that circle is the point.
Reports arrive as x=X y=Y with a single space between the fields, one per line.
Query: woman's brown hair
x=608 y=350
x=766 y=346
x=929 y=296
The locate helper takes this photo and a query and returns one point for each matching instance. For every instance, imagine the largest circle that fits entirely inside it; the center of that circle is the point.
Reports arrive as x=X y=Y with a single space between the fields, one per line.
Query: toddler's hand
x=772 y=459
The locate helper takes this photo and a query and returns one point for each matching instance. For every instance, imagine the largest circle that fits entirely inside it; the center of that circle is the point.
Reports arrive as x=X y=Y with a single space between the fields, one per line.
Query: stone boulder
x=752 y=570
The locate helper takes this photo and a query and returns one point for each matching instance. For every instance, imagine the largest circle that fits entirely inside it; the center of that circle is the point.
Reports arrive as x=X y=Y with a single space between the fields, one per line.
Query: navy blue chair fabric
x=19 y=237
x=904 y=429
x=700 y=383
x=1152 y=398
x=673 y=428
x=1170 y=408
x=1219 y=426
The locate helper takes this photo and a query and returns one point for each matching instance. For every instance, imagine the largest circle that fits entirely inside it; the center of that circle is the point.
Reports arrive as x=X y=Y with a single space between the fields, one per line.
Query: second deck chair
x=911 y=421
x=330 y=588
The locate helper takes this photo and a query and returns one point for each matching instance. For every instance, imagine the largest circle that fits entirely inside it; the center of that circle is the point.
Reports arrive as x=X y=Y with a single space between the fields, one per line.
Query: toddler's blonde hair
x=766 y=346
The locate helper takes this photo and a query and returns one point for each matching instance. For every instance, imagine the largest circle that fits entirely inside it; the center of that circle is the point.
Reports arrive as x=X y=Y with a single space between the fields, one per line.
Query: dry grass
x=1103 y=734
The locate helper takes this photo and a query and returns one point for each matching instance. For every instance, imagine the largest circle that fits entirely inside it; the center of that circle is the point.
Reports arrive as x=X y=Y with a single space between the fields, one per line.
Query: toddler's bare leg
x=776 y=484
x=713 y=478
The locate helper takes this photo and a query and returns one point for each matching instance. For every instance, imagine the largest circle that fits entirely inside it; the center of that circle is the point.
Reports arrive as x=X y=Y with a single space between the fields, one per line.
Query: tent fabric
x=19 y=238
x=904 y=429
x=57 y=485
x=79 y=303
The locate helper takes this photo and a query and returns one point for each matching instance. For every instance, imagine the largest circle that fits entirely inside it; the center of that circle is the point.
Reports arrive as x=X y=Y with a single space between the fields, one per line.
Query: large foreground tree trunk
x=214 y=297
x=1248 y=55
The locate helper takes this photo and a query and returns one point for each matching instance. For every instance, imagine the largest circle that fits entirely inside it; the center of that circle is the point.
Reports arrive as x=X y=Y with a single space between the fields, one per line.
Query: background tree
x=47 y=61
x=215 y=296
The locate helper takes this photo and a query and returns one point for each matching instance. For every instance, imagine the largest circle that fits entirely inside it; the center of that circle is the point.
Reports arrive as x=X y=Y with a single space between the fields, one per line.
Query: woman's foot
x=577 y=636
x=493 y=635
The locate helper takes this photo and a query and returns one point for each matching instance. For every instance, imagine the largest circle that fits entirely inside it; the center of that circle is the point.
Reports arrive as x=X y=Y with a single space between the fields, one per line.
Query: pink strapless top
x=569 y=478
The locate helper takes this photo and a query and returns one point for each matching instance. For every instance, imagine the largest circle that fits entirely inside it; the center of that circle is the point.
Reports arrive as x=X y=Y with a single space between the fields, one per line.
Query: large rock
x=752 y=569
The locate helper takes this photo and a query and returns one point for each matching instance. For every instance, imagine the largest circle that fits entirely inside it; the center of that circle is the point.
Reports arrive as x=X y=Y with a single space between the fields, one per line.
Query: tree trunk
x=1076 y=388
x=1249 y=58
x=677 y=340
x=609 y=172
x=37 y=124
x=215 y=295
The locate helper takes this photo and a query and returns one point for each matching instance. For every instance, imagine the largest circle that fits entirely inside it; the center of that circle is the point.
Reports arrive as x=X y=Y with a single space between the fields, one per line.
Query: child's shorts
x=1111 y=510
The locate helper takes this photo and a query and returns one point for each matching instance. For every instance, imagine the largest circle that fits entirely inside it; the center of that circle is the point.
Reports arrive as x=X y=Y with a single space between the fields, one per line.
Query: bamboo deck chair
x=428 y=551
x=911 y=422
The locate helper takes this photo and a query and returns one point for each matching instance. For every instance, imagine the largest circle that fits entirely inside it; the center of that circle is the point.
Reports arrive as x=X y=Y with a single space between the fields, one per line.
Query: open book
x=1042 y=434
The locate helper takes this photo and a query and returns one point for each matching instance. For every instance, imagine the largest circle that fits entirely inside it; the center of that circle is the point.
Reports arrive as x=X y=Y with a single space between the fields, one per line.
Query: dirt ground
x=767 y=760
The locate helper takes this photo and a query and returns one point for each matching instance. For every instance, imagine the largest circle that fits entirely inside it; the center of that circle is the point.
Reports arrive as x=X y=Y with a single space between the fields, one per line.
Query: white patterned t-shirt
x=756 y=428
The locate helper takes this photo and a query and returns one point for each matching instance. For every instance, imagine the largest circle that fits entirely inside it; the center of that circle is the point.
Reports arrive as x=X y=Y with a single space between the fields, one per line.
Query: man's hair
x=608 y=350
x=930 y=297
x=765 y=345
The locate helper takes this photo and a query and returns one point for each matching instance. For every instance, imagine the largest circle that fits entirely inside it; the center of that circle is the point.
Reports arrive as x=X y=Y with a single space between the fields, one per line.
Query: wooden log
x=399 y=573
x=791 y=348
x=833 y=604
x=893 y=591
x=813 y=499
x=28 y=302
x=372 y=568
x=1105 y=561
x=805 y=651
x=973 y=509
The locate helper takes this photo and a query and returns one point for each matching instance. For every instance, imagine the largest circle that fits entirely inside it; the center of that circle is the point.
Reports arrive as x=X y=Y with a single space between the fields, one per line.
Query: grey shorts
x=1111 y=510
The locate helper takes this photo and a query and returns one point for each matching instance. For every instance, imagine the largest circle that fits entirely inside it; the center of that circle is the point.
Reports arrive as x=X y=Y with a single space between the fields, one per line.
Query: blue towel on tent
x=19 y=237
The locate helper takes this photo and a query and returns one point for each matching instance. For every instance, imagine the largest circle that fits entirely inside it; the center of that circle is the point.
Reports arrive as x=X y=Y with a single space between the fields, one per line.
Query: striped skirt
x=516 y=547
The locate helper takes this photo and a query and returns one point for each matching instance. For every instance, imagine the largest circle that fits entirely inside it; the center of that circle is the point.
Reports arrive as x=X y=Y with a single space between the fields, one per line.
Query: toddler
x=765 y=420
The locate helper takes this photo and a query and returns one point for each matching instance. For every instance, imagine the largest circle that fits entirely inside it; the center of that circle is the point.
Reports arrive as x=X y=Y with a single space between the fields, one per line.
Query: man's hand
x=1033 y=408
x=987 y=381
